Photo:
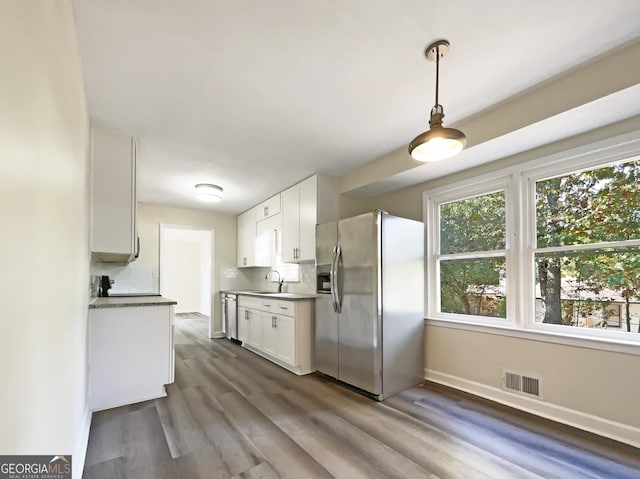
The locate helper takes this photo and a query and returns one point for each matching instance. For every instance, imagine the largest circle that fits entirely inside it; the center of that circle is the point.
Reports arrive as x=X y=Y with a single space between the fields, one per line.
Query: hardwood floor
x=232 y=414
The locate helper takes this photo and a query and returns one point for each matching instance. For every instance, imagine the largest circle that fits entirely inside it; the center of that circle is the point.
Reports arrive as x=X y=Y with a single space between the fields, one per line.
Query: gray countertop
x=262 y=294
x=125 y=302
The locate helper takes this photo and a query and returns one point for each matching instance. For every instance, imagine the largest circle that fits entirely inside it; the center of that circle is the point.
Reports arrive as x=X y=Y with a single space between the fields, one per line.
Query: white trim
x=518 y=182
x=587 y=246
x=588 y=422
x=596 y=342
x=475 y=187
x=498 y=253
x=217 y=335
x=601 y=154
x=80 y=452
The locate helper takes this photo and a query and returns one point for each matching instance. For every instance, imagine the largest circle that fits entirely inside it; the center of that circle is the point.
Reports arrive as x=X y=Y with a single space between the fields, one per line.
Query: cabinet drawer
x=269 y=305
x=249 y=302
x=288 y=308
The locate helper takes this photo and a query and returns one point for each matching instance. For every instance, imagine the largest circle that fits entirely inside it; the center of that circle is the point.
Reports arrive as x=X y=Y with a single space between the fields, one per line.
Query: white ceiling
x=257 y=95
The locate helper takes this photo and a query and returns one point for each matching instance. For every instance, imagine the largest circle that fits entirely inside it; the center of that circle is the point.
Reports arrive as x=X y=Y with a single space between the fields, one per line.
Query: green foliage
x=590 y=207
x=595 y=206
x=472 y=225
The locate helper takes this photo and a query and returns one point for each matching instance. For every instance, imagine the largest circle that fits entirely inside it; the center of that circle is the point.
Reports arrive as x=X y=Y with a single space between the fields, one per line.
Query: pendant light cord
x=437 y=72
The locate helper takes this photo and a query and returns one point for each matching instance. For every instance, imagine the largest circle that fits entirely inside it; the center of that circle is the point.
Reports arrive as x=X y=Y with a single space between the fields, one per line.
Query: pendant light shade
x=438 y=143
x=208 y=192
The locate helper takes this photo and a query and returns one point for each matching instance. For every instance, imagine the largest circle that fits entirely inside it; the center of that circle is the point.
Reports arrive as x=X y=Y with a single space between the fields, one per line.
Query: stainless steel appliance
x=230 y=315
x=369 y=307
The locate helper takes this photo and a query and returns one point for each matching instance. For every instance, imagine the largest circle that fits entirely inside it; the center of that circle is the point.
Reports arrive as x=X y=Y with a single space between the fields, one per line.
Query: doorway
x=186 y=266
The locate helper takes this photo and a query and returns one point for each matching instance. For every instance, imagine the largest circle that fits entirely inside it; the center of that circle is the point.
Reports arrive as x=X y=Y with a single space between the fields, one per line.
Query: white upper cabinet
x=268 y=208
x=290 y=224
x=113 y=196
x=304 y=205
x=246 y=238
x=286 y=223
x=267 y=240
x=256 y=240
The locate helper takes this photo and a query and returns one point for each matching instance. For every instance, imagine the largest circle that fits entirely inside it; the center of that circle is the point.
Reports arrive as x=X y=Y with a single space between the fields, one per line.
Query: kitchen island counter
x=129 y=301
x=131 y=349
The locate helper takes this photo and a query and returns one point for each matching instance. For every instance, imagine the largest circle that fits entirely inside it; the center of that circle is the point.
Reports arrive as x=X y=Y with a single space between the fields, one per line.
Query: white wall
x=591 y=388
x=185 y=268
x=44 y=258
x=225 y=275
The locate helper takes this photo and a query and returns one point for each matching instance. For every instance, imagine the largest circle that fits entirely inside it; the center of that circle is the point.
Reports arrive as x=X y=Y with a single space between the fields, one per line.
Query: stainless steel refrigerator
x=369 y=307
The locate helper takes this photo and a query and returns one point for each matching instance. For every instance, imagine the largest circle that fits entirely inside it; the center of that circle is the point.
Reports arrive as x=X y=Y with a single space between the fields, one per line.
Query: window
x=587 y=254
x=471 y=256
x=549 y=245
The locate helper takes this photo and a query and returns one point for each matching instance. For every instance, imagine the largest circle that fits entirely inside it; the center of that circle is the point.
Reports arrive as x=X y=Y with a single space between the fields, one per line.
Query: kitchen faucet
x=280 y=279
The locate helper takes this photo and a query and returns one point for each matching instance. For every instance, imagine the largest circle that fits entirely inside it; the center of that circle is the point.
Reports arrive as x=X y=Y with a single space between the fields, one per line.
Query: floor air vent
x=520 y=383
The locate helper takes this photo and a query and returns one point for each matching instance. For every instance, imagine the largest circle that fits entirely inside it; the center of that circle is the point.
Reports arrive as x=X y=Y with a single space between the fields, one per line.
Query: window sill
x=602 y=344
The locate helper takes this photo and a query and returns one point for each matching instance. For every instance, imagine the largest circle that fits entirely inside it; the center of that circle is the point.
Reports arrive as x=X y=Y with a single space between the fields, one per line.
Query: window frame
x=467 y=190
x=516 y=175
x=576 y=165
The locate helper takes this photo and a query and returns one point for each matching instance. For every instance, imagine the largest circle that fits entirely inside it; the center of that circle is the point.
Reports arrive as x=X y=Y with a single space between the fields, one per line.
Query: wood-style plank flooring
x=232 y=414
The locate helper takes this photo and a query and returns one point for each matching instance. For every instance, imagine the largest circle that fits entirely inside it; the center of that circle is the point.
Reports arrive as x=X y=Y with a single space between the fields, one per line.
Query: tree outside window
x=472 y=259
x=587 y=257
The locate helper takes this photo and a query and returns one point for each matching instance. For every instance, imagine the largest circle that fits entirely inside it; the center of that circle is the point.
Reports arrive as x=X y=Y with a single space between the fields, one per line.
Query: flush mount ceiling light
x=439 y=142
x=208 y=192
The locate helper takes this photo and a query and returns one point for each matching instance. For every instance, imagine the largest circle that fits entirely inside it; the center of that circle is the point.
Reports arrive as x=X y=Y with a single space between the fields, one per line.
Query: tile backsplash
x=307 y=283
x=131 y=278
x=138 y=277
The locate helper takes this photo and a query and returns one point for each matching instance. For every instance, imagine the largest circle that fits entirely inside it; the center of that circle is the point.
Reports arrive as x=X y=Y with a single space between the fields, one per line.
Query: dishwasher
x=230 y=315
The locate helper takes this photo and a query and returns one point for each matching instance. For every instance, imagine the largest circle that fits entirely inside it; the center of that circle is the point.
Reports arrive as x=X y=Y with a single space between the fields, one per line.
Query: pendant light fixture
x=208 y=192
x=439 y=142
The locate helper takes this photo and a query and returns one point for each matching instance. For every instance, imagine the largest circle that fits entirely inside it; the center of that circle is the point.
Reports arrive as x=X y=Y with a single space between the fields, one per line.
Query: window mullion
x=499 y=253
x=588 y=246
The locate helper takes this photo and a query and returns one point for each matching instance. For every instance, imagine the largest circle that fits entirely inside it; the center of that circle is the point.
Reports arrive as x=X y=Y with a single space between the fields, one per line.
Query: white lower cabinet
x=269 y=340
x=279 y=337
x=255 y=329
x=243 y=324
x=249 y=327
x=281 y=331
x=130 y=354
x=285 y=328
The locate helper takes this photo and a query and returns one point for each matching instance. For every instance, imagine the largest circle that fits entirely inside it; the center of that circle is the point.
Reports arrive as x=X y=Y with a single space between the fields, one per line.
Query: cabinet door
x=308 y=219
x=290 y=224
x=267 y=240
x=113 y=195
x=268 y=208
x=269 y=333
x=246 y=240
x=243 y=324
x=255 y=329
x=286 y=339
x=119 y=372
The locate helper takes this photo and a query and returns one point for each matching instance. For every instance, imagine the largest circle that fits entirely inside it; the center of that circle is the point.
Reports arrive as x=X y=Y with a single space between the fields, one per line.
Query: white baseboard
x=80 y=452
x=217 y=335
x=588 y=422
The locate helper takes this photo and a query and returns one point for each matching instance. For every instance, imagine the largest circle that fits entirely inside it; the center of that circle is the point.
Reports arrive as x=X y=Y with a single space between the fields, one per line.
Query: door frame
x=164 y=227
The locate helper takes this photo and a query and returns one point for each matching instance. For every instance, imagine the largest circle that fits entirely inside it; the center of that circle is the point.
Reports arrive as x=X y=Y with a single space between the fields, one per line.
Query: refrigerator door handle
x=336 y=279
x=332 y=275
